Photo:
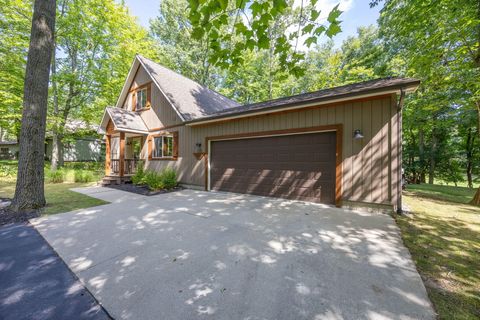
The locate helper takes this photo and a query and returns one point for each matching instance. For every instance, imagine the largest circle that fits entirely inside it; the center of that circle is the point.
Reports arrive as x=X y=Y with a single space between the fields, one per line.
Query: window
x=162 y=147
x=141 y=99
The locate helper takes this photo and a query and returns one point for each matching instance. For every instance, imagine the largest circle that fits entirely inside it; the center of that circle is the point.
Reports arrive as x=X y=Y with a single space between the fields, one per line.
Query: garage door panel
x=300 y=167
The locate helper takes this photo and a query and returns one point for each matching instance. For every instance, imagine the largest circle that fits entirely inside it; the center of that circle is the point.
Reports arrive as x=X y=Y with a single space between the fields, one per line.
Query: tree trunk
x=469 y=146
x=55 y=139
x=476 y=199
x=57 y=146
x=421 y=152
x=432 y=162
x=29 y=191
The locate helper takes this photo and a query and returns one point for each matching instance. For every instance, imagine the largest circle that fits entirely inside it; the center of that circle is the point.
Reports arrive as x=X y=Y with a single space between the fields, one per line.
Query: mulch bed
x=8 y=216
x=142 y=190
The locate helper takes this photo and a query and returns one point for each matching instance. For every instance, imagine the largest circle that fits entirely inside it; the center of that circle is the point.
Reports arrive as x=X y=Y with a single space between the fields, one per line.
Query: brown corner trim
x=338 y=128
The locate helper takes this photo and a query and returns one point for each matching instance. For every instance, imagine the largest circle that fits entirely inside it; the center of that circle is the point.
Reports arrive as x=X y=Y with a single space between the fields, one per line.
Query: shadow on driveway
x=209 y=255
x=35 y=283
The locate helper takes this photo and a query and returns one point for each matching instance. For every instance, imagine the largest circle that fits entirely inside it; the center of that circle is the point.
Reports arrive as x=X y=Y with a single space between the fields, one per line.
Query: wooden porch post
x=107 y=154
x=122 y=154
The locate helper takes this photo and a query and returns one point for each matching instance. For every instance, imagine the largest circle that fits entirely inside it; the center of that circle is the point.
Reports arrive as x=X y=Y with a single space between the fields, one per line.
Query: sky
x=356 y=13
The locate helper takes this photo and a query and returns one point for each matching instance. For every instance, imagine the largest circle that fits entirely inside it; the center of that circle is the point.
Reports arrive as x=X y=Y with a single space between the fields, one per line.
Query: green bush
x=139 y=176
x=165 y=179
x=153 y=180
x=8 y=169
x=169 y=178
x=83 y=176
x=57 y=176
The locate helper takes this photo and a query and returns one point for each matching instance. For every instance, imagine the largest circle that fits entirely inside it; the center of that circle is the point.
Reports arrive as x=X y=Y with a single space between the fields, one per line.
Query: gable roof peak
x=190 y=99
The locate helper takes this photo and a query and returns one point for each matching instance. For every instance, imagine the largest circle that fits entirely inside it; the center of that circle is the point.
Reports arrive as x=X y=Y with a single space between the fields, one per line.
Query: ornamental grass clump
x=83 y=176
x=57 y=176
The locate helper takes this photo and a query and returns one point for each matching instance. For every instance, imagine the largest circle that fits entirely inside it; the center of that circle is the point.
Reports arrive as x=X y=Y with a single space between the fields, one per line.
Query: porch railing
x=130 y=166
x=115 y=166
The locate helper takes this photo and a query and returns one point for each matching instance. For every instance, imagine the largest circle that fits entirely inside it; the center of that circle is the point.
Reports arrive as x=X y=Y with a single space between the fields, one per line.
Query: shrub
x=169 y=178
x=153 y=180
x=83 y=176
x=57 y=176
x=8 y=169
x=139 y=176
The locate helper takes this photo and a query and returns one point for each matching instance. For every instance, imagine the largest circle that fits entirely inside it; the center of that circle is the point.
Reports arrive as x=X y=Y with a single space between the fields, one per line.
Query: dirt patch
x=8 y=216
x=142 y=190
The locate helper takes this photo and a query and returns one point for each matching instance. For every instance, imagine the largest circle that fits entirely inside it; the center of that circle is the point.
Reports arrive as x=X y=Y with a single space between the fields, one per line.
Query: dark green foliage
x=228 y=36
x=169 y=178
x=165 y=179
x=139 y=175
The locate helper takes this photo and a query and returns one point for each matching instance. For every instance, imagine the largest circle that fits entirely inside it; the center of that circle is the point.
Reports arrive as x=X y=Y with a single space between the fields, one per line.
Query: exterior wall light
x=198 y=147
x=357 y=134
x=199 y=154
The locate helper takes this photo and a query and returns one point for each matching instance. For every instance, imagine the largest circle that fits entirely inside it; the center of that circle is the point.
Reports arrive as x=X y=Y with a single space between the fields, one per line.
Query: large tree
x=15 y=27
x=232 y=27
x=440 y=42
x=95 y=42
x=29 y=192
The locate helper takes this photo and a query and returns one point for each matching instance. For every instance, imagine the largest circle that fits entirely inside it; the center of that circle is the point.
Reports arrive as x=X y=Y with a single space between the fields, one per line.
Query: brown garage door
x=300 y=167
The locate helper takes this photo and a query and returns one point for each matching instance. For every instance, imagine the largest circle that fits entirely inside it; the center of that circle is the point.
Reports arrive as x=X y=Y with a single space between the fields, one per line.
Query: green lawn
x=445 y=193
x=443 y=236
x=59 y=197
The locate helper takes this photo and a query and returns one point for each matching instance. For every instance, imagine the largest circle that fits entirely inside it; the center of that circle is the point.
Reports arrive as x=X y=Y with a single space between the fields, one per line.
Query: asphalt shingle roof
x=361 y=88
x=126 y=120
x=191 y=99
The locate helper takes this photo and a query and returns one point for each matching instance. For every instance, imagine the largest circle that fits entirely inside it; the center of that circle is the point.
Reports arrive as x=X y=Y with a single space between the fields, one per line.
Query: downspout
x=399 y=151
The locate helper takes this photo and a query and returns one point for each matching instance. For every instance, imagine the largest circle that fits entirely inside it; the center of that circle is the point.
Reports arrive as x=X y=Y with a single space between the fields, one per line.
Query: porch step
x=112 y=180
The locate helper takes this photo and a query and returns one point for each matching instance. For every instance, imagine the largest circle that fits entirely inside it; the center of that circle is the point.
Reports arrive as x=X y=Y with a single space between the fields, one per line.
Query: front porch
x=123 y=156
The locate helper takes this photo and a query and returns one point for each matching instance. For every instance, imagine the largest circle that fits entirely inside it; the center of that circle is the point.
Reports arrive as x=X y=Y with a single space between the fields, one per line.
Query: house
x=8 y=149
x=336 y=146
x=81 y=143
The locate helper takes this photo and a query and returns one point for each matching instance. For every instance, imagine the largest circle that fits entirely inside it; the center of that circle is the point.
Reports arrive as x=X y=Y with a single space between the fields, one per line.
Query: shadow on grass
x=446 y=250
x=442 y=193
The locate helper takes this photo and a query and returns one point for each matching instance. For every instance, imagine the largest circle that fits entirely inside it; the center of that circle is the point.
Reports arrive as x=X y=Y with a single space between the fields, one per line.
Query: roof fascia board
x=159 y=88
x=131 y=131
x=296 y=106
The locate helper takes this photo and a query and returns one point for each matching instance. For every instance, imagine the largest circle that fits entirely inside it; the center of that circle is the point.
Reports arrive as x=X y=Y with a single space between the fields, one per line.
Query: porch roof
x=123 y=120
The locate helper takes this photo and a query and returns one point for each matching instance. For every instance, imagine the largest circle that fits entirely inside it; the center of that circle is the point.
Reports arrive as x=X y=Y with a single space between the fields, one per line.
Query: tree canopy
x=258 y=50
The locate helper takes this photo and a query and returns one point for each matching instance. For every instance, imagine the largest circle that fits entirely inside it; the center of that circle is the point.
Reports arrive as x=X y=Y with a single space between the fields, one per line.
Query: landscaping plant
x=165 y=179
x=57 y=176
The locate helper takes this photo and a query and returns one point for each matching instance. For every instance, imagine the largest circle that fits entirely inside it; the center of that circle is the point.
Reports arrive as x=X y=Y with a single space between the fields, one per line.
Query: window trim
x=148 y=96
x=151 y=146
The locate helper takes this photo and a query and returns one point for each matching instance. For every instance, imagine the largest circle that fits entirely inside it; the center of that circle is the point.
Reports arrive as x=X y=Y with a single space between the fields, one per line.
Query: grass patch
x=443 y=193
x=58 y=196
x=443 y=236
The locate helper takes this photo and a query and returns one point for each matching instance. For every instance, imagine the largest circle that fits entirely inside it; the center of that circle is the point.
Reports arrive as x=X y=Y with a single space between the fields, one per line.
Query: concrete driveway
x=194 y=255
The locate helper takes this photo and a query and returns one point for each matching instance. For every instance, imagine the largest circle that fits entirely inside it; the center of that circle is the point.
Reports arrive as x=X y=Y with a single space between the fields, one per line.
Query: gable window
x=141 y=99
x=163 y=146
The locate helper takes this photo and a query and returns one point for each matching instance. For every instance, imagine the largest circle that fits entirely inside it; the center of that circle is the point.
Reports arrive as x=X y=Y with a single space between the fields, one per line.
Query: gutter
x=399 y=151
